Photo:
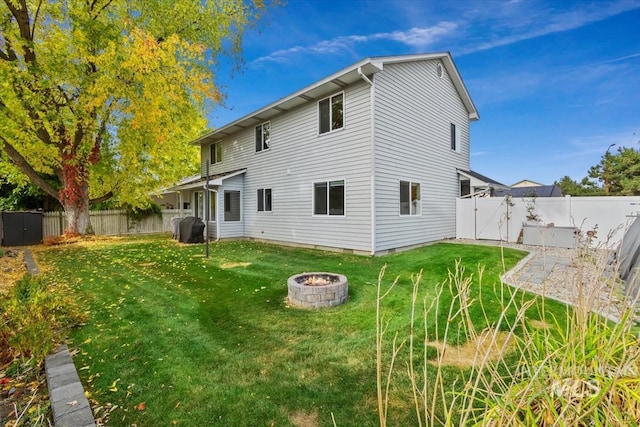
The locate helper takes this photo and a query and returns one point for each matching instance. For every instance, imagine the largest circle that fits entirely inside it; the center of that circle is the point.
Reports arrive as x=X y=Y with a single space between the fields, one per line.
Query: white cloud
x=419 y=37
x=531 y=23
x=596 y=145
x=415 y=37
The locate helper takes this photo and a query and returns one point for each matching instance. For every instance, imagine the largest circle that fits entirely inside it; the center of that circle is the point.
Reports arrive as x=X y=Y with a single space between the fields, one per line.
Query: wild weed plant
x=528 y=368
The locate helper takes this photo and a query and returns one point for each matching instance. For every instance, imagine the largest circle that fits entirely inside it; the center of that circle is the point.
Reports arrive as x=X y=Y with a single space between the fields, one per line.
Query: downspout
x=215 y=192
x=373 y=160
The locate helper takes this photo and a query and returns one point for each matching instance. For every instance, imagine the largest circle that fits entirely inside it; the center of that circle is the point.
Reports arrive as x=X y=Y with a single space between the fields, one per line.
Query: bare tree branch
x=102 y=198
x=35 y=19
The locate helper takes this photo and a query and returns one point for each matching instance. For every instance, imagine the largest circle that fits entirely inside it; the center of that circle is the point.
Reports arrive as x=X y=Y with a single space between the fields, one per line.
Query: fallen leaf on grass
x=140 y=406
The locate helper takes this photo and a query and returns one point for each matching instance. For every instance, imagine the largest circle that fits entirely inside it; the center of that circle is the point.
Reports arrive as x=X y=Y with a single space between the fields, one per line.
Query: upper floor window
x=331 y=113
x=455 y=137
x=263 y=136
x=328 y=198
x=216 y=153
x=264 y=200
x=410 y=198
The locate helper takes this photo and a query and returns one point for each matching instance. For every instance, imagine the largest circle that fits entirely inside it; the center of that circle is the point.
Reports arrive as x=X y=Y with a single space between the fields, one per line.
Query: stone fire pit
x=317 y=290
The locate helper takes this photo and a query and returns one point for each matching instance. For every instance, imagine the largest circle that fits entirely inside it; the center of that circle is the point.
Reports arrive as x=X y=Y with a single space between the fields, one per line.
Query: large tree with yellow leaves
x=104 y=95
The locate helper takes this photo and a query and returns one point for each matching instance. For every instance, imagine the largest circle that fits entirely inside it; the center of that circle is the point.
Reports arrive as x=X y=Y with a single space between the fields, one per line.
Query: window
x=328 y=198
x=410 y=198
x=216 y=153
x=331 y=113
x=264 y=200
x=200 y=203
x=465 y=187
x=232 y=206
x=455 y=138
x=263 y=136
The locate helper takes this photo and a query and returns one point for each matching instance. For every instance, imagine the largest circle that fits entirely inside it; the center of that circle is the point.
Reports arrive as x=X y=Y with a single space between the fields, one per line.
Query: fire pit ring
x=317 y=290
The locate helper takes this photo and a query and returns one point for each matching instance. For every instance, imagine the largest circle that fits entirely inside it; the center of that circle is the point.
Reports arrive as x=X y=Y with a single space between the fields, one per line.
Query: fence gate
x=21 y=228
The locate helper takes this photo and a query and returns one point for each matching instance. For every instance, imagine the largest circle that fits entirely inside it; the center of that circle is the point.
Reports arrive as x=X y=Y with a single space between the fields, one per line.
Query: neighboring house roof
x=335 y=82
x=526 y=183
x=197 y=181
x=535 y=191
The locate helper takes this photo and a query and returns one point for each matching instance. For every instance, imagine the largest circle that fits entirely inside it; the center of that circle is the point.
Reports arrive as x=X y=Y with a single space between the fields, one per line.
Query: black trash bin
x=191 y=230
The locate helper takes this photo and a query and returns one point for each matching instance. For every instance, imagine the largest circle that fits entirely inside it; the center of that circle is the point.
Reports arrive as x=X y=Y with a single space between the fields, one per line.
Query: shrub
x=35 y=315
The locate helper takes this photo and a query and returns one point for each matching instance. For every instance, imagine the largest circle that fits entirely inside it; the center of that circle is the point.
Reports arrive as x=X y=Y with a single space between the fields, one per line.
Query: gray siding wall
x=297 y=158
x=413 y=112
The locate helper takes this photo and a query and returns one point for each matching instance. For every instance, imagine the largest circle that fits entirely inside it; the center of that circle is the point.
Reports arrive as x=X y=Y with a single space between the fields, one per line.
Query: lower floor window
x=328 y=198
x=232 y=206
x=410 y=198
x=264 y=200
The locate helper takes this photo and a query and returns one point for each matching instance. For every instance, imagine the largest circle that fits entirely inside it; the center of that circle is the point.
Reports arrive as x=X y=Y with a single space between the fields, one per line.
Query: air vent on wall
x=439 y=70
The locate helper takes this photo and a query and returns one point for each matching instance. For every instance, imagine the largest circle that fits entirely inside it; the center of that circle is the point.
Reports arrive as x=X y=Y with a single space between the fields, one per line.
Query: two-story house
x=368 y=159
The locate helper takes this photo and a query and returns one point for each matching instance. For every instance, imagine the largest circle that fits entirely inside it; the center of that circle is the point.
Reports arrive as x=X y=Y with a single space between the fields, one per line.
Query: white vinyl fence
x=114 y=222
x=496 y=218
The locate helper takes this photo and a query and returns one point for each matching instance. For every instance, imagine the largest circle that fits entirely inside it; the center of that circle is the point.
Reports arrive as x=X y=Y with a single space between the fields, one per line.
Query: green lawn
x=203 y=345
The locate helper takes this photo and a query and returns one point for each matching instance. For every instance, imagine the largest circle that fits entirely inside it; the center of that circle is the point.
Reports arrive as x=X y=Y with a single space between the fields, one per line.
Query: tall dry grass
x=579 y=369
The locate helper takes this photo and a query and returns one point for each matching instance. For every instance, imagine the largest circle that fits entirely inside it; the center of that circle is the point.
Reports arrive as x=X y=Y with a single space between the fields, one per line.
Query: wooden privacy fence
x=115 y=222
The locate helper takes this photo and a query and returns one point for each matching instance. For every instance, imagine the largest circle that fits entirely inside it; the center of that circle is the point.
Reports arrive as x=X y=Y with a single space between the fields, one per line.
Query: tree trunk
x=74 y=197
x=77 y=219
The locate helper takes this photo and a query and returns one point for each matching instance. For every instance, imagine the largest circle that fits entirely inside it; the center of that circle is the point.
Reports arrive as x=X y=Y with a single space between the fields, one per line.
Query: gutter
x=373 y=160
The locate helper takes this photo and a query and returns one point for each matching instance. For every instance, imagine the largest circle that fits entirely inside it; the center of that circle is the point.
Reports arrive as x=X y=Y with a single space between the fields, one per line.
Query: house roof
x=526 y=183
x=480 y=177
x=337 y=81
x=533 y=191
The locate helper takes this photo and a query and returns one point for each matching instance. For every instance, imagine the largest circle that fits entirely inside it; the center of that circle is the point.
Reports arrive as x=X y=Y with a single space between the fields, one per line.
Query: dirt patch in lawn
x=304 y=419
x=234 y=265
x=487 y=344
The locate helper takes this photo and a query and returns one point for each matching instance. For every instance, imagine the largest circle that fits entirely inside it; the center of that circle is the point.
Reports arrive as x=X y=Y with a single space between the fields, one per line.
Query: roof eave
x=335 y=82
x=312 y=92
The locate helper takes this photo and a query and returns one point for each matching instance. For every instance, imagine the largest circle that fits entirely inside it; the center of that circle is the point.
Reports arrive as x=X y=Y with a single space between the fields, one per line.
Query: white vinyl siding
x=408 y=132
x=302 y=158
x=414 y=110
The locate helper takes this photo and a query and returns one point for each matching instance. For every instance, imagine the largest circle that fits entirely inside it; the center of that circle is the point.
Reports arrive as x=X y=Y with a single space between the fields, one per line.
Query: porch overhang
x=214 y=181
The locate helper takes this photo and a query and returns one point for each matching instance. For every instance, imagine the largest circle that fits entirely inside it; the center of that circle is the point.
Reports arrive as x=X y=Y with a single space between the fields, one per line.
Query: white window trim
x=409 y=215
x=254 y=137
x=264 y=211
x=344 y=115
x=313 y=198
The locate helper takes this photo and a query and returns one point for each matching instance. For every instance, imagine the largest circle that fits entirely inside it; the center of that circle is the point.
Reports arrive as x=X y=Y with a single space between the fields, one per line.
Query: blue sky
x=555 y=82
